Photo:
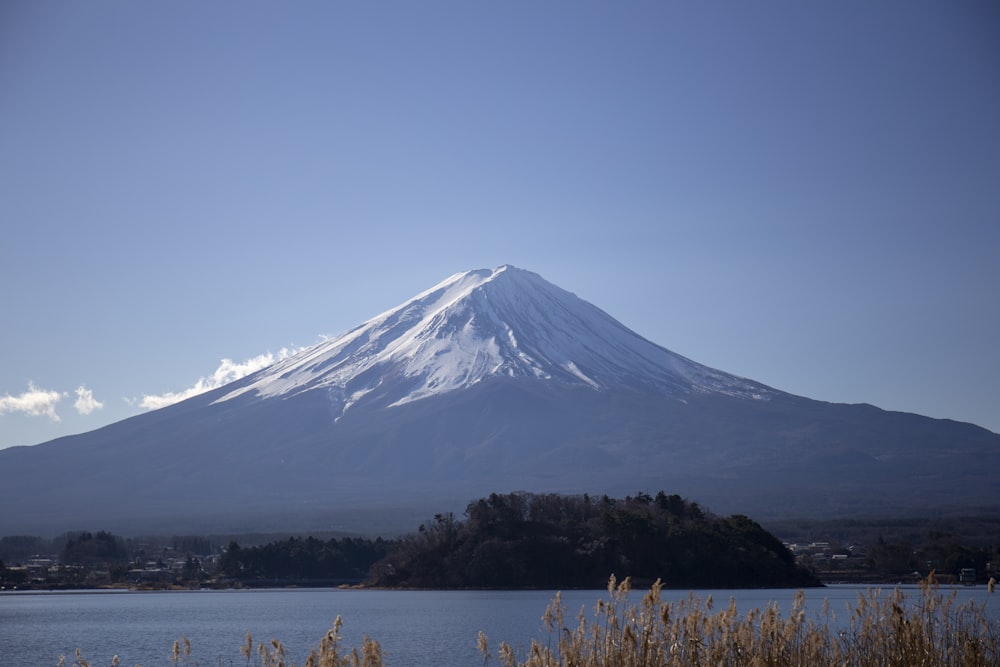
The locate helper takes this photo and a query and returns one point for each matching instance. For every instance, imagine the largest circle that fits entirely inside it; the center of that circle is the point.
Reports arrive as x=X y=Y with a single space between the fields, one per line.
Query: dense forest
x=86 y=549
x=523 y=540
x=345 y=560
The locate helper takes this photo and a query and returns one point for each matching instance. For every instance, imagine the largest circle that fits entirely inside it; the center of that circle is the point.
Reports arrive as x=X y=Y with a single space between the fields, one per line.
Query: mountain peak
x=480 y=325
x=491 y=380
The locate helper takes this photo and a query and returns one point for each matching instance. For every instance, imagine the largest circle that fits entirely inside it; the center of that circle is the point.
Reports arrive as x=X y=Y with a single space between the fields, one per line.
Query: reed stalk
x=883 y=628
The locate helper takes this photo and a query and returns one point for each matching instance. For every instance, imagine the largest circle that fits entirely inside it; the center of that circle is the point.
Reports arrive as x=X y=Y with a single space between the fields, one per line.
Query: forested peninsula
x=524 y=540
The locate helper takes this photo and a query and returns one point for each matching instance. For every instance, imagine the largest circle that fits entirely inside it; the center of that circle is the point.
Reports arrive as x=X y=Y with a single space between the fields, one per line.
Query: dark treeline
x=523 y=540
x=895 y=547
x=87 y=549
x=82 y=547
x=940 y=552
x=517 y=540
x=971 y=531
x=296 y=559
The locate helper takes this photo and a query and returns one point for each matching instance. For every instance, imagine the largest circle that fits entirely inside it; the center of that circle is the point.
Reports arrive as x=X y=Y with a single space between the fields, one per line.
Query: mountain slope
x=489 y=381
x=480 y=325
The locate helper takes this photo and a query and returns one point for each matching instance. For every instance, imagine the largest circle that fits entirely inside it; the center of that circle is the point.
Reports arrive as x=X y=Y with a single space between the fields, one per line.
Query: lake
x=414 y=628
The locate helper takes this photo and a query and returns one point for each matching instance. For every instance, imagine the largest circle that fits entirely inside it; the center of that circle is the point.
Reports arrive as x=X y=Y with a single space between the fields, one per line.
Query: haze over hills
x=492 y=380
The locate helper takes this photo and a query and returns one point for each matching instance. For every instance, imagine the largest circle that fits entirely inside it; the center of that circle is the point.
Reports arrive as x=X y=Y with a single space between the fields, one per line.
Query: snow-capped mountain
x=490 y=381
x=485 y=324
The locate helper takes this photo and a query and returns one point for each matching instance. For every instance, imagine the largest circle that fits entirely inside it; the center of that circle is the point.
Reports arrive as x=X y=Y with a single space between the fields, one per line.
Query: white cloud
x=33 y=402
x=228 y=371
x=85 y=401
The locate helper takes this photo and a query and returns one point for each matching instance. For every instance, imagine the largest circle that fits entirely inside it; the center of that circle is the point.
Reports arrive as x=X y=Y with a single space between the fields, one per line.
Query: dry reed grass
x=329 y=653
x=883 y=629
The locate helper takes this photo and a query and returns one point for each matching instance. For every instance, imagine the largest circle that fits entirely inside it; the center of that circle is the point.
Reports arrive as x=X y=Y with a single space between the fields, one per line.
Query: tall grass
x=329 y=653
x=882 y=629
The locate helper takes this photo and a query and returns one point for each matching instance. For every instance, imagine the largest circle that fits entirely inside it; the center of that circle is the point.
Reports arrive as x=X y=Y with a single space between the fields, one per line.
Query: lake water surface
x=414 y=628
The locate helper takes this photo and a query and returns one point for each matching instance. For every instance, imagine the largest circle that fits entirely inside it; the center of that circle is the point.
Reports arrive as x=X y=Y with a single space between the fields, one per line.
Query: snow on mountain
x=491 y=381
x=484 y=324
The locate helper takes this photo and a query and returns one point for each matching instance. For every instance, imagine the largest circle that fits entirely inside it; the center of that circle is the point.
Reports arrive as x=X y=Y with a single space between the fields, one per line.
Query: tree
x=549 y=541
x=89 y=549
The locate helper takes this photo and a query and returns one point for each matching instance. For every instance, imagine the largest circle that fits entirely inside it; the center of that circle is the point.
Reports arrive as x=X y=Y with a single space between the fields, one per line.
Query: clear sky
x=803 y=193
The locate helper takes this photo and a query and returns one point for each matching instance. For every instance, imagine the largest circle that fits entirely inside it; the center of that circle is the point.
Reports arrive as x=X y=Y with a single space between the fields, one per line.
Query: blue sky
x=805 y=194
